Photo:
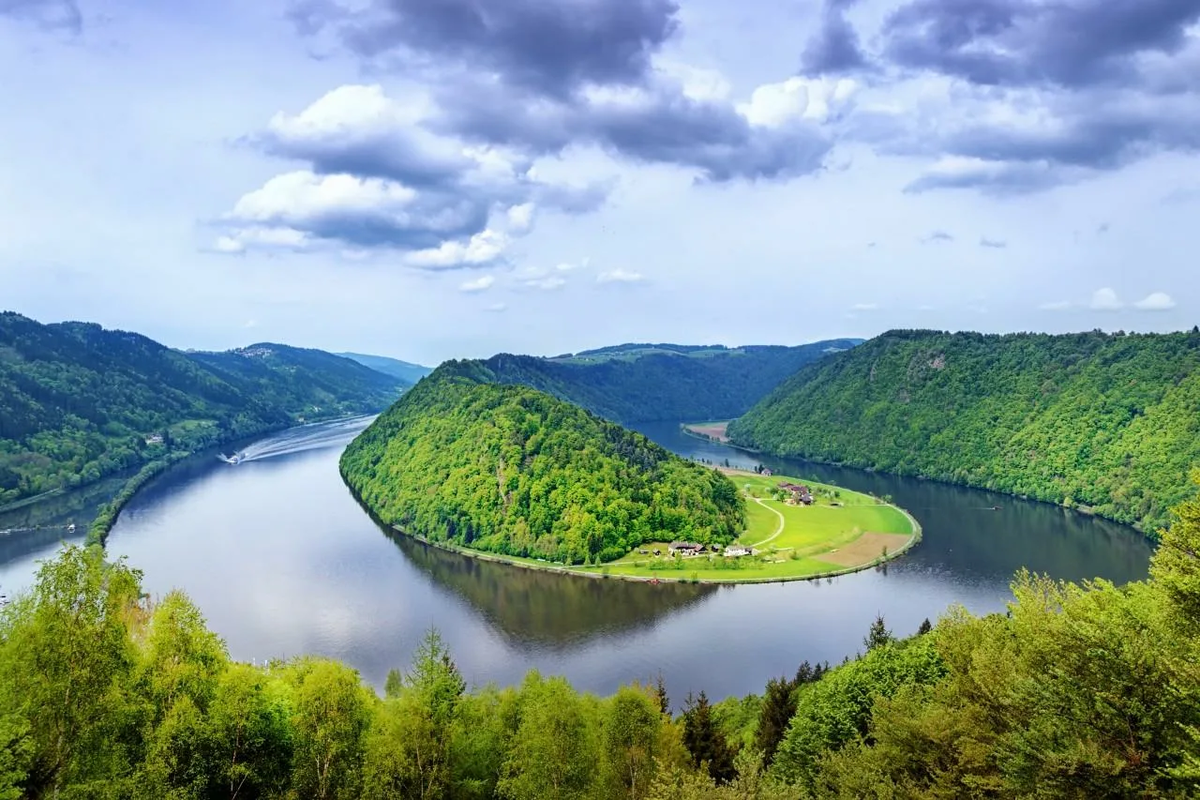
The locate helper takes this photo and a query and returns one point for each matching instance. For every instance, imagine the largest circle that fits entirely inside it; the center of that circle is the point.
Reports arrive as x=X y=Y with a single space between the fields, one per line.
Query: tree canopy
x=649 y=383
x=512 y=470
x=78 y=402
x=1106 y=422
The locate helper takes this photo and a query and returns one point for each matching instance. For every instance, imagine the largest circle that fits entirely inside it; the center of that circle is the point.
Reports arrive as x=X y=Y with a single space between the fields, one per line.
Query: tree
x=251 y=735
x=660 y=694
x=65 y=667
x=778 y=707
x=330 y=715
x=704 y=740
x=926 y=627
x=408 y=753
x=630 y=730
x=554 y=751
x=1175 y=567
x=878 y=635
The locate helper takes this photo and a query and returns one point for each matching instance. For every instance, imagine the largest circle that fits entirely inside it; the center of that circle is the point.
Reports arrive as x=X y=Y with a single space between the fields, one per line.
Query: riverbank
x=109 y=512
x=708 y=431
x=840 y=533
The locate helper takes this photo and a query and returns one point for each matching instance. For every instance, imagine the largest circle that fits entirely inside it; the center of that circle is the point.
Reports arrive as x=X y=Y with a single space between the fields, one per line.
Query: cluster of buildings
x=694 y=549
x=801 y=495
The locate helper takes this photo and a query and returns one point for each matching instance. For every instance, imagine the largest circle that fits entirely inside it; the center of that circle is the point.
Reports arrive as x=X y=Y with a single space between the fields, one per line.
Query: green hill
x=78 y=402
x=406 y=371
x=633 y=383
x=1109 y=423
x=512 y=470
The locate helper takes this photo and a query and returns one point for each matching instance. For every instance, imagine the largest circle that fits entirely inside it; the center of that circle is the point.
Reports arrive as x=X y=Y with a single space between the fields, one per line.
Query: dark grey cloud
x=538 y=76
x=46 y=14
x=551 y=47
x=1032 y=42
x=835 y=47
x=661 y=126
x=1090 y=86
x=996 y=244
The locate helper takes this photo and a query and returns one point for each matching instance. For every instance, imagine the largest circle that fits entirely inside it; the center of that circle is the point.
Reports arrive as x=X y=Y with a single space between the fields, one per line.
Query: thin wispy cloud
x=620 y=276
x=995 y=244
x=480 y=284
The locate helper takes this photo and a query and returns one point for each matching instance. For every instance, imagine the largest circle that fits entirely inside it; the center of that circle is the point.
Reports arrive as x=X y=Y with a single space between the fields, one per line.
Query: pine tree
x=660 y=694
x=705 y=742
x=778 y=708
x=925 y=628
x=879 y=635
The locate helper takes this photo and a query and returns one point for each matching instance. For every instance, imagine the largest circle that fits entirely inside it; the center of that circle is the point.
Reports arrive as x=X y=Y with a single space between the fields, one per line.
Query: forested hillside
x=512 y=470
x=1077 y=692
x=78 y=402
x=1106 y=422
x=647 y=383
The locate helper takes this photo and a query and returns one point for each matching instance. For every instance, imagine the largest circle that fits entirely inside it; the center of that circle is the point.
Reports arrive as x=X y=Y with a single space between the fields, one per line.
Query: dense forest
x=1076 y=692
x=648 y=383
x=512 y=470
x=78 y=402
x=1105 y=422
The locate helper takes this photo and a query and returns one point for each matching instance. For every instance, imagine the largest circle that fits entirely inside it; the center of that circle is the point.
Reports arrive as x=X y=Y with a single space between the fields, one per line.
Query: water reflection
x=283 y=561
x=544 y=608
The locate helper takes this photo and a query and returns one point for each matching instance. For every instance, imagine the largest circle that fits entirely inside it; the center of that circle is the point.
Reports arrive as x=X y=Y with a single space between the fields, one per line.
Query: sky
x=431 y=179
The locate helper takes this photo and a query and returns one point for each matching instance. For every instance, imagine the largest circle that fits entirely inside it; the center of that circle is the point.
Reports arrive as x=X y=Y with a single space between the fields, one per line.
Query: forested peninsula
x=633 y=383
x=1109 y=423
x=78 y=402
x=511 y=470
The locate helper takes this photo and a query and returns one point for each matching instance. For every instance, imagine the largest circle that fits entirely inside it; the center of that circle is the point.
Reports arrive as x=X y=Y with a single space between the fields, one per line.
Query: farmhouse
x=738 y=550
x=800 y=494
x=685 y=548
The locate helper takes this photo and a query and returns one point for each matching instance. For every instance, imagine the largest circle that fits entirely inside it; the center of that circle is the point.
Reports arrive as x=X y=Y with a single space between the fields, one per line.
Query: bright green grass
x=795 y=552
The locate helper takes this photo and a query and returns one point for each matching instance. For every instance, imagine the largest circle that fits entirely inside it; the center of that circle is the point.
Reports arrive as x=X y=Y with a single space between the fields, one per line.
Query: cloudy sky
x=438 y=178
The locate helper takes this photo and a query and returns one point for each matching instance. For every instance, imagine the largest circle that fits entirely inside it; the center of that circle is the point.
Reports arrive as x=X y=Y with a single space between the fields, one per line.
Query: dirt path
x=778 y=530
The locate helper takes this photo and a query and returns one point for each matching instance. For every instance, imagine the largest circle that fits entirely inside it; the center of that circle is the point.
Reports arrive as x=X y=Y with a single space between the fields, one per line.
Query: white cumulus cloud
x=1106 y=300
x=1157 y=301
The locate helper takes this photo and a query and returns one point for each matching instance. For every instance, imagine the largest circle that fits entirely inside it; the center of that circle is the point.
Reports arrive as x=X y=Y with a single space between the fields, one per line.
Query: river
x=283 y=561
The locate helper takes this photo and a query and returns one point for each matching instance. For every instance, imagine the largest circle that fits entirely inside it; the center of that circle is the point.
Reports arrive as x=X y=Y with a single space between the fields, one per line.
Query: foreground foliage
x=78 y=402
x=1077 y=692
x=1103 y=422
x=511 y=470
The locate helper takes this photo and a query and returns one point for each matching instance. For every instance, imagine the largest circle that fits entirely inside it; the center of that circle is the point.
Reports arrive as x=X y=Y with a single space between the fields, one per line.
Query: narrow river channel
x=283 y=561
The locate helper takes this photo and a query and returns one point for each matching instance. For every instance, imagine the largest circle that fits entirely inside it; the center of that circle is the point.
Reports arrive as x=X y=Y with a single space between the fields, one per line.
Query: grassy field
x=842 y=531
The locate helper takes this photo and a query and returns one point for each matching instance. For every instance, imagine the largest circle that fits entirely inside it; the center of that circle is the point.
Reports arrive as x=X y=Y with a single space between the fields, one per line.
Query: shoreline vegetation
x=699 y=569
x=531 y=480
x=1096 y=422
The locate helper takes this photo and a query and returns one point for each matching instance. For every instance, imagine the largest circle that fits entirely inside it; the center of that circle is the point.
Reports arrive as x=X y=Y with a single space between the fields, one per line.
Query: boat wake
x=299 y=440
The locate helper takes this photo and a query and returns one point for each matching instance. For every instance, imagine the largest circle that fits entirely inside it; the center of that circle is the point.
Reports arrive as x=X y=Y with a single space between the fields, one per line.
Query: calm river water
x=283 y=561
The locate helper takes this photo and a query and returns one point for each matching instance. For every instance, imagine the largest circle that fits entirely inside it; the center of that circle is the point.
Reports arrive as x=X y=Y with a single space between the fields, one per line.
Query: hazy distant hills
x=403 y=370
x=632 y=383
x=78 y=402
x=1109 y=422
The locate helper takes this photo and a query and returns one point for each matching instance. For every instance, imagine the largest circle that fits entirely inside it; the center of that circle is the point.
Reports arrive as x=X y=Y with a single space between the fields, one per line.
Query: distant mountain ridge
x=78 y=402
x=1107 y=422
x=634 y=383
x=404 y=370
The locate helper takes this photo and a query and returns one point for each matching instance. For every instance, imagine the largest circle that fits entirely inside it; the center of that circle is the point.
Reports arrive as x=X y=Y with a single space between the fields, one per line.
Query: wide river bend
x=283 y=561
